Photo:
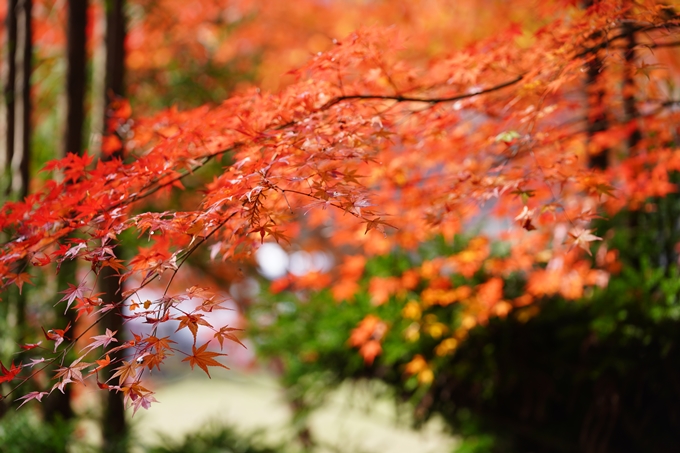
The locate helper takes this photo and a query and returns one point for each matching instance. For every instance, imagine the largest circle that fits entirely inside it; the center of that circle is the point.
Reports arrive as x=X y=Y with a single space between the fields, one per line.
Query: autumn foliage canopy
x=381 y=139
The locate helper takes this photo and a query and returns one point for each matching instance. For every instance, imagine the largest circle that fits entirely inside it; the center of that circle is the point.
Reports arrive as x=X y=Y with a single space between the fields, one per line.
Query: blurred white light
x=300 y=263
x=272 y=259
x=321 y=262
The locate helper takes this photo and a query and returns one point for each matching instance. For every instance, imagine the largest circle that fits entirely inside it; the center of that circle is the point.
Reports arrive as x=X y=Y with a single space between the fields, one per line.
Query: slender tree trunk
x=8 y=102
x=596 y=112
x=7 y=133
x=114 y=427
x=597 y=117
x=75 y=76
x=59 y=405
x=115 y=48
x=22 y=83
x=22 y=135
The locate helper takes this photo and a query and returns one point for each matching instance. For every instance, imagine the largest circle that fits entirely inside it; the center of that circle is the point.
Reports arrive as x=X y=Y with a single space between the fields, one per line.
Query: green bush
x=215 y=439
x=23 y=432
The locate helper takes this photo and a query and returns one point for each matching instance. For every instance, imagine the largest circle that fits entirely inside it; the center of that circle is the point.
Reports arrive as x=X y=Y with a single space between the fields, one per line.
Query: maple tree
x=552 y=127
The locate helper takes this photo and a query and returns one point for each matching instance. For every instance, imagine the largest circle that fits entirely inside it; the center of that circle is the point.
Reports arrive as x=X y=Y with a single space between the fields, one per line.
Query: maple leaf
x=31 y=396
x=56 y=335
x=72 y=293
x=102 y=363
x=125 y=371
x=34 y=362
x=40 y=260
x=114 y=263
x=163 y=349
x=224 y=332
x=143 y=401
x=9 y=374
x=100 y=340
x=86 y=305
x=191 y=322
x=20 y=279
x=71 y=373
x=203 y=358
x=29 y=346
x=138 y=396
x=582 y=238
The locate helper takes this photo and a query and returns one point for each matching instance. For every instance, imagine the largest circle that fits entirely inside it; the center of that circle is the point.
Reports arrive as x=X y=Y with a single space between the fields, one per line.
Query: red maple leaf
x=29 y=346
x=9 y=374
x=56 y=335
x=72 y=293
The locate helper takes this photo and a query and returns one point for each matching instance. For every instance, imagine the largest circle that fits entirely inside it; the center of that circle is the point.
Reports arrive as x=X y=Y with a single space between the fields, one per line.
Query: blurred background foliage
x=597 y=374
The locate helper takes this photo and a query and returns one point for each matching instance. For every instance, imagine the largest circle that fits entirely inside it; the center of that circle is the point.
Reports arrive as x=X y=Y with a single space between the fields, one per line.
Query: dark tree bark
x=114 y=426
x=58 y=405
x=115 y=48
x=22 y=107
x=597 y=120
x=9 y=95
x=75 y=76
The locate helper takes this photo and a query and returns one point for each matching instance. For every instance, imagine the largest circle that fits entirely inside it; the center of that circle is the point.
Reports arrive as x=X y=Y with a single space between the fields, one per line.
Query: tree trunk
x=114 y=427
x=58 y=405
x=8 y=102
x=75 y=77
x=22 y=107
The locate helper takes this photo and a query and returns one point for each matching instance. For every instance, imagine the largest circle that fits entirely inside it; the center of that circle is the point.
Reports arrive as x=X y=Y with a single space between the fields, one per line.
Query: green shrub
x=215 y=439
x=23 y=432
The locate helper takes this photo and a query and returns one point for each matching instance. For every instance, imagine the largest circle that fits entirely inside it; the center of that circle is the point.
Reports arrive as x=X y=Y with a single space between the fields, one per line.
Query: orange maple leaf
x=191 y=322
x=204 y=358
x=20 y=279
x=103 y=362
x=225 y=332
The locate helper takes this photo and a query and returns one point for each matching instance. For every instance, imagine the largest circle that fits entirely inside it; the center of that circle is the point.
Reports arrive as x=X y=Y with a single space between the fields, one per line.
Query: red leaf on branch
x=29 y=346
x=9 y=374
x=72 y=293
x=100 y=340
x=31 y=396
x=56 y=335
x=204 y=358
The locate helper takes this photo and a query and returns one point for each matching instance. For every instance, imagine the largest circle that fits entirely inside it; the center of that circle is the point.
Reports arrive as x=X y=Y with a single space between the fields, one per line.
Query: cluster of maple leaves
x=380 y=147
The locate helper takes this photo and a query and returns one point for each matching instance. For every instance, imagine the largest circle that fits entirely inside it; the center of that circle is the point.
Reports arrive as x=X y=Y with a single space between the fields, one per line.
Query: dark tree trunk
x=75 y=76
x=22 y=101
x=115 y=48
x=596 y=113
x=114 y=427
x=58 y=405
x=9 y=96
